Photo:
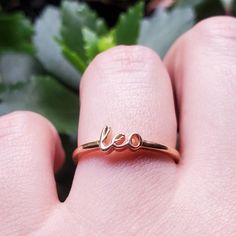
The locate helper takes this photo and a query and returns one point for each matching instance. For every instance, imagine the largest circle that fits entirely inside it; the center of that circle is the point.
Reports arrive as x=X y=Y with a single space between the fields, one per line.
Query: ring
x=119 y=143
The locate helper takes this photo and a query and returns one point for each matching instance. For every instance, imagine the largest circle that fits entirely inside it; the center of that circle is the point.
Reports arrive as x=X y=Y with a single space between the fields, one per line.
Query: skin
x=132 y=90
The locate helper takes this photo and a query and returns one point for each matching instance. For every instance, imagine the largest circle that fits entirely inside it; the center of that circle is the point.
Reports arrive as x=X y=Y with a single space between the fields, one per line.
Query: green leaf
x=47 y=27
x=107 y=41
x=127 y=28
x=234 y=7
x=93 y=44
x=90 y=43
x=2 y=89
x=15 y=67
x=46 y=96
x=205 y=8
x=73 y=58
x=76 y=16
x=16 y=32
x=161 y=29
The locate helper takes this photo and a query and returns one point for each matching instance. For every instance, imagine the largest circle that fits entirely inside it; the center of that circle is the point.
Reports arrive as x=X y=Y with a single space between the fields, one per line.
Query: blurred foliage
x=215 y=7
x=128 y=25
x=234 y=7
x=43 y=94
x=160 y=38
x=204 y=8
x=17 y=63
x=75 y=17
x=15 y=33
x=43 y=57
x=47 y=28
x=84 y=34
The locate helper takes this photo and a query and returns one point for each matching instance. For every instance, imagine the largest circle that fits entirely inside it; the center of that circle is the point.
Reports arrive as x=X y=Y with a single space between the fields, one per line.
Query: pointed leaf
x=107 y=41
x=16 y=32
x=49 y=52
x=93 y=44
x=90 y=43
x=73 y=58
x=161 y=29
x=127 y=28
x=76 y=16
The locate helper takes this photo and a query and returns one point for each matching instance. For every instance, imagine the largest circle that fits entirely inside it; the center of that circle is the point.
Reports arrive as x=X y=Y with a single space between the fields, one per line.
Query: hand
x=130 y=89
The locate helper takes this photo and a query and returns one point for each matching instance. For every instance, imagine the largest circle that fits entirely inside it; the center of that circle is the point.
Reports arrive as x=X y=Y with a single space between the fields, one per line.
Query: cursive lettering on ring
x=119 y=141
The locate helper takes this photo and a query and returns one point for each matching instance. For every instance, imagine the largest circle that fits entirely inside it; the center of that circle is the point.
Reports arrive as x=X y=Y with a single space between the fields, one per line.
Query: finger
x=204 y=81
x=128 y=89
x=28 y=147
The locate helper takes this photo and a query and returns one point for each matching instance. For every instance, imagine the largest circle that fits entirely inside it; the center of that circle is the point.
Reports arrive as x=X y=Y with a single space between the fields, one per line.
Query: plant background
x=45 y=46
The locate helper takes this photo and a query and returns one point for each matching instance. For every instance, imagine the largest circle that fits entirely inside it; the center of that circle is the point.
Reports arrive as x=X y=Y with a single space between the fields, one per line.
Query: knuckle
x=215 y=45
x=130 y=56
x=118 y=63
x=21 y=122
x=217 y=27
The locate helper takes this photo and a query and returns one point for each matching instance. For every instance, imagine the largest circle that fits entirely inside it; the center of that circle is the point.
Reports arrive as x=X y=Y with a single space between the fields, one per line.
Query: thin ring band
x=119 y=143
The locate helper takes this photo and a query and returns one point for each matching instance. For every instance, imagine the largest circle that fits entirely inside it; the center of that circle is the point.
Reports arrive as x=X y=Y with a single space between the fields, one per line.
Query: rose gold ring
x=119 y=143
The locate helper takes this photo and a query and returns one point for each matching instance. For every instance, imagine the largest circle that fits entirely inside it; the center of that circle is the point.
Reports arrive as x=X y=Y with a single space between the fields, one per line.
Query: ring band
x=119 y=143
